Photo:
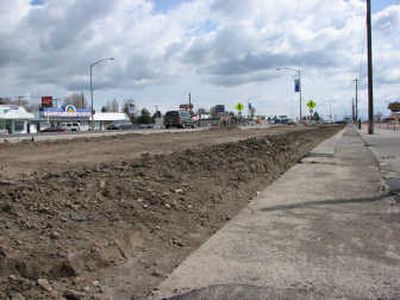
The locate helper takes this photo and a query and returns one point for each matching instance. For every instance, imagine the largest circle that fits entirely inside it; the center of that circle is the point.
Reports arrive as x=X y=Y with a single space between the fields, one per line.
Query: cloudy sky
x=222 y=51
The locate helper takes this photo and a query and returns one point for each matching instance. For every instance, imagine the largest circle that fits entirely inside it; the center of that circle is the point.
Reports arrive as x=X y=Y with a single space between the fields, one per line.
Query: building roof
x=110 y=116
x=14 y=112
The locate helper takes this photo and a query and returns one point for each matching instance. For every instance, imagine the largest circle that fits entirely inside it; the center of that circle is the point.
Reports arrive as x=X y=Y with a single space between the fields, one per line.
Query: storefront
x=15 y=119
x=56 y=116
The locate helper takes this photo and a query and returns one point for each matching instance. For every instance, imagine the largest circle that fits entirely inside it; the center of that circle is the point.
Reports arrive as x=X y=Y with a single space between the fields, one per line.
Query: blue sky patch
x=378 y=5
x=37 y=2
x=163 y=6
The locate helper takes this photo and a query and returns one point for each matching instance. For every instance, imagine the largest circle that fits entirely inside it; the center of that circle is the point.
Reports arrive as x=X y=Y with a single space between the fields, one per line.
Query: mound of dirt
x=67 y=233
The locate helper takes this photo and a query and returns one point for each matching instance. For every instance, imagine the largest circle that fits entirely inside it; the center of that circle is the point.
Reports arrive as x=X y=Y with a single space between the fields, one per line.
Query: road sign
x=394 y=106
x=297 y=86
x=239 y=107
x=311 y=104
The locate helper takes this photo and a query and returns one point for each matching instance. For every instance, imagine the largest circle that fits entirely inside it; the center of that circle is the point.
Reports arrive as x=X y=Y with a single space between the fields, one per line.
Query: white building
x=102 y=120
x=14 y=119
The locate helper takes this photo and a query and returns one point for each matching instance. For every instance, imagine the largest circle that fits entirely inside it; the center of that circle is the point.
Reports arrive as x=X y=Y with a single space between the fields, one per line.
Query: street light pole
x=91 y=86
x=300 y=89
x=91 y=98
x=300 y=93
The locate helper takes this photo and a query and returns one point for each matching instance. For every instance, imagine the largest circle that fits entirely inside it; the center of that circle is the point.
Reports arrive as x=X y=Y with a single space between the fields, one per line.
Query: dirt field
x=24 y=158
x=110 y=218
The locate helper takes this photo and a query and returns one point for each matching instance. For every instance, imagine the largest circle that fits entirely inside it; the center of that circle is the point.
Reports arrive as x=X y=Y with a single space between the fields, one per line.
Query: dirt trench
x=116 y=230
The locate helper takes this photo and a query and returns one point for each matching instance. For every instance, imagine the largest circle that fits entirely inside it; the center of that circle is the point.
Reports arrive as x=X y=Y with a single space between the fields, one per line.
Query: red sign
x=47 y=101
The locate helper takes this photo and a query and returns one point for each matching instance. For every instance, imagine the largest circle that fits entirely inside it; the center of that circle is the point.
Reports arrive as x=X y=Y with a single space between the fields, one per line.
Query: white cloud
x=216 y=48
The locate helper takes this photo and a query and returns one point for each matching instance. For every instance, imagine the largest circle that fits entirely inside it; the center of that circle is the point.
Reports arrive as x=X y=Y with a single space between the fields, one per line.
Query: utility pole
x=370 y=72
x=190 y=102
x=356 y=108
x=353 y=114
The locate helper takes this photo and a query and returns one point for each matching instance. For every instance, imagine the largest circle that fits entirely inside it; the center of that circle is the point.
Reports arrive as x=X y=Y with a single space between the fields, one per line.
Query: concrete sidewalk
x=327 y=228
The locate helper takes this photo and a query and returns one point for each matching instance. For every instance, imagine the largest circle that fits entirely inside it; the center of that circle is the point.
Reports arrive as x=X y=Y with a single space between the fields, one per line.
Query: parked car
x=53 y=129
x=120 y=126
x=4 y=132
x=178 y=119
x=146 y=126
x=70 y=127
x=288 y=122
x=114 y=126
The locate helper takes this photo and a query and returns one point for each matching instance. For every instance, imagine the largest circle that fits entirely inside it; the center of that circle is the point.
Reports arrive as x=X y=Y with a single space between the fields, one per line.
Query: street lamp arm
x=287 y=68
x=100 y=60
x=290 y=69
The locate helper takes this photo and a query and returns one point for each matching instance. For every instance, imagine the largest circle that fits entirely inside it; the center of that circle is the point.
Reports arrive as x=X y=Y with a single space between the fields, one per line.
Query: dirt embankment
x=25 y=158
x=118 y=229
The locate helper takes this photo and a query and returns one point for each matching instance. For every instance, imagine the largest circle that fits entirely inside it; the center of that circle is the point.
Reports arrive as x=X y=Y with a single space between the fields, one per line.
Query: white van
x=70 y=126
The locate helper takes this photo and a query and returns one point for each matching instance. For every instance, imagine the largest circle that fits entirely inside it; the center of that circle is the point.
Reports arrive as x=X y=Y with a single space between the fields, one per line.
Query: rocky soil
x=115 y=230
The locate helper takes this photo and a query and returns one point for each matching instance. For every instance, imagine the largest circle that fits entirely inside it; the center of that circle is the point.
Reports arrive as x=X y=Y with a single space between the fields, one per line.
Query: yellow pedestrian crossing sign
x=239 y=106
x=311 y=104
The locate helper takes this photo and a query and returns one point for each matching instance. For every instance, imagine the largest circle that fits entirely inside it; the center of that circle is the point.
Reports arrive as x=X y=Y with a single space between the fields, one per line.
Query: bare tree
x=6 y=101
x=111 y=106
x=114 y=106
x=130 y=109
x=29 y=106
x=77 y=100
